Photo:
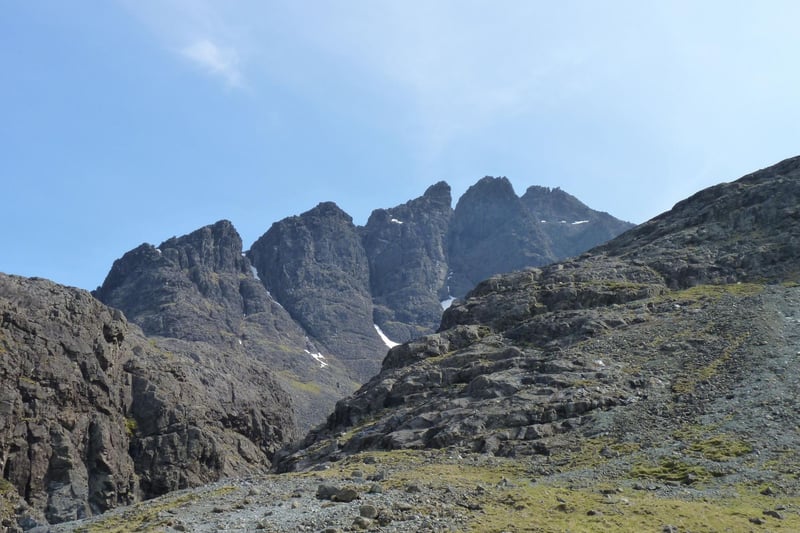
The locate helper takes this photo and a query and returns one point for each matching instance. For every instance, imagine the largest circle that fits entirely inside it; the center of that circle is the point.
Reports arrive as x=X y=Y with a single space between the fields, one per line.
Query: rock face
x=666 y=327
x=94 y=414
x=408 y=265
x=316 y=266
x=493 y=232
x=200 y=288
x=570 y=225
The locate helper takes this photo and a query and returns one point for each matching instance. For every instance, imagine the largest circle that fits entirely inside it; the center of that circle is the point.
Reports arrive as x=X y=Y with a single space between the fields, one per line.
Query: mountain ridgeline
x=325 y=285
x=197 y=359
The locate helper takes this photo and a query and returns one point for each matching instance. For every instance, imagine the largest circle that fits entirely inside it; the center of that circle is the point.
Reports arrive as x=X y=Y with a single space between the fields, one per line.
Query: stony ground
x=714 y=449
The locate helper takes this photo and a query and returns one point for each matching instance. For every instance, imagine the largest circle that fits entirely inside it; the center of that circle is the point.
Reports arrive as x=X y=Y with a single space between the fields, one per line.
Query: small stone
x=362 y=523
x=368 y=511
x=357 y=474
x=767 y=491
x=217 y=510
x=594 y=512
x=757 y=521
x=413 y=487
x=179 y=527
x=375 y=488
x=773 y=514
x=669 y=529
x=325 y=491
x=345 y=495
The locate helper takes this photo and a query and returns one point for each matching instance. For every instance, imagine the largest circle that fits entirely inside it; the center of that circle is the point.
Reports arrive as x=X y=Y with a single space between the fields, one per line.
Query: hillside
x=650 y=383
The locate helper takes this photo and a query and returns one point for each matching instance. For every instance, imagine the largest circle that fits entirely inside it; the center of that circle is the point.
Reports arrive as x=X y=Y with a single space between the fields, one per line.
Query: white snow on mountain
x=386 y=340
x=318 y=357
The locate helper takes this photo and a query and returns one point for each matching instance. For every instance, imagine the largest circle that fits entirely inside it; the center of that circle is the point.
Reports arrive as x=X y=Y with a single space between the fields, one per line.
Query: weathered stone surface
x=407 y=253
x=94 y=415
x=199 y=288
x=493 y=232
x=316 y=266
x=622 y=341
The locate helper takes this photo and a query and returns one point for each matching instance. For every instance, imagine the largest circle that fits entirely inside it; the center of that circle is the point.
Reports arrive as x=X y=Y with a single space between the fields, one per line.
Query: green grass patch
x=291 y=380
x=672 y=470
x=145 y=516
x=722 y=447
x=131 y=426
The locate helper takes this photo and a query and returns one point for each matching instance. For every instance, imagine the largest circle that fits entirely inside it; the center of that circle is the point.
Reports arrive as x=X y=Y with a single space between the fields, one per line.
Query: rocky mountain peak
x=491 y=232
x=217 y=247
x=554 y=205
x=316 y=266
x=638 y=358
x=439 y=193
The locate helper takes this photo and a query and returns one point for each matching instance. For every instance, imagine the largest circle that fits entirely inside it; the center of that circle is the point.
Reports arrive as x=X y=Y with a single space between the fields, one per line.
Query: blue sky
x=132 y=121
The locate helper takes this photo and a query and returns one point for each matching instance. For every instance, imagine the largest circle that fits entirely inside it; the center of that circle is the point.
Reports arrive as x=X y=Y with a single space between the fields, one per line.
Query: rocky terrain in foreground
x=94 y=415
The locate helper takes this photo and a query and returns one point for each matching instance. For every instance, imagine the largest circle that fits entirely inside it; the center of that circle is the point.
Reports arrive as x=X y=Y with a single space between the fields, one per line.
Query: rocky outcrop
x=570 y=225
x=316 y=266
x=93 y=414
x=666 y=326
x=408 y=263
x=740 y=231
x=200 y=288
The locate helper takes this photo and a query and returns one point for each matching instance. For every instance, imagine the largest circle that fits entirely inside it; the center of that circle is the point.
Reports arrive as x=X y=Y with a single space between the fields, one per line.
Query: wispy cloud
x=217 y=61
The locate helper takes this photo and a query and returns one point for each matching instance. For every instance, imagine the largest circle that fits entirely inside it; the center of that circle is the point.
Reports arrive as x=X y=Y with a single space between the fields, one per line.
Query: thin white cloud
x=222 y=62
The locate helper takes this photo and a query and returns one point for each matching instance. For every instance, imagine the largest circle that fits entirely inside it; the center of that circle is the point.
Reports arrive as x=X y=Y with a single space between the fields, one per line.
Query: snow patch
x=580 y=222
x=599 y=362
x=254 y=270
x=395 y=221
x=318 y=357
x=240 y=341
x=386 y=340
x=448 y=302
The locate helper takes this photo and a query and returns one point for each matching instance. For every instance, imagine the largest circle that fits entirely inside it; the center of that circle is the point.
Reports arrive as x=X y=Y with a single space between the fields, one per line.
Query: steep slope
x=407 y=254
x=664 y=361
x=94 y=414
x=199 y=288
x=315 y=265
x=492 y=232
x=570 y=225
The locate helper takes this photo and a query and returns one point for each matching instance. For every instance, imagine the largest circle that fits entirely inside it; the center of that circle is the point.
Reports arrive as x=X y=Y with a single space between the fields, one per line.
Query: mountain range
x=664 y=358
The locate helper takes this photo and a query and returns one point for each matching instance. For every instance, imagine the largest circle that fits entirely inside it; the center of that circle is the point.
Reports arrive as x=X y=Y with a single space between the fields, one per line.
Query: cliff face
x=407 y=253
x=493 y=232
x=200 y=289
x=317 y=268
x=673 y=336
x=96 y=415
